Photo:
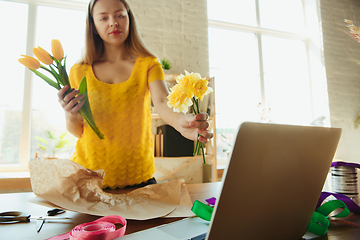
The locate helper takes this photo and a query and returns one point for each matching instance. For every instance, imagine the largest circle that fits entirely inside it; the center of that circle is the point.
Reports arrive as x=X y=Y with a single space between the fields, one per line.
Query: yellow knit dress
x=122 y=113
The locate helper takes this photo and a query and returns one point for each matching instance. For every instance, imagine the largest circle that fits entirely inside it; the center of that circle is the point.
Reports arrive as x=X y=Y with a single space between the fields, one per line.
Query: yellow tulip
x=29 y=62
x=57 y=49
x=43 y=55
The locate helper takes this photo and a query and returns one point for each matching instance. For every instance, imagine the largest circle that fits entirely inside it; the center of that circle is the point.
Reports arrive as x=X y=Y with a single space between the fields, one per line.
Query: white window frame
x=28 y=77
x=312 y=44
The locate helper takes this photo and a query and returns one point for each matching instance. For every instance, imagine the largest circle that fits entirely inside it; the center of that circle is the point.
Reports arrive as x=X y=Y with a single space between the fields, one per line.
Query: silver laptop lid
x=273 y=181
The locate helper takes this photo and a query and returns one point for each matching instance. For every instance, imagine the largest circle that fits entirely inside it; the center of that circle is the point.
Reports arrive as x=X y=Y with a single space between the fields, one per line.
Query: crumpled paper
x=71 y=186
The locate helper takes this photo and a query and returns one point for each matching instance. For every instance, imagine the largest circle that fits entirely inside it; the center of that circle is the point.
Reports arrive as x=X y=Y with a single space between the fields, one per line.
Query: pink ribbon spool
x=101 y=229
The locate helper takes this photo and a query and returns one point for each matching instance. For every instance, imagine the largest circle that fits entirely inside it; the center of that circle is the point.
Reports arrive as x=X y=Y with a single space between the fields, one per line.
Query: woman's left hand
x=191 y=125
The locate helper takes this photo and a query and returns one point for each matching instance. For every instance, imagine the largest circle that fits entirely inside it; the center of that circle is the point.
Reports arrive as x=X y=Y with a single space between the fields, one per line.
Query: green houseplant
x=52 y=144
x=165 y=64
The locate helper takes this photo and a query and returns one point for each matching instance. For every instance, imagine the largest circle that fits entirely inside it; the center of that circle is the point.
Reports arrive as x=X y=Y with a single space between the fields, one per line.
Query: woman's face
x=111 y=21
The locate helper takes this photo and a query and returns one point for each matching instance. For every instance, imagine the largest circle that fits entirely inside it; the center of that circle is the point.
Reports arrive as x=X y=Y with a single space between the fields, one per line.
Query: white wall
x=177 y=30
x=343 y=75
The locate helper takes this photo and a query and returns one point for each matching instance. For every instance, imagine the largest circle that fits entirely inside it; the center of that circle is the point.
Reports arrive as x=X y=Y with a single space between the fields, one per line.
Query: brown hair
x=94 y=45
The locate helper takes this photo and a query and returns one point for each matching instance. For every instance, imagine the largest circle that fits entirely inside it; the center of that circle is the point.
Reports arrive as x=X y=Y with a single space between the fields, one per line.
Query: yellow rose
x=201 y=89
x=43 y=55
x=178 y=99
x=57 y=49
x=29 y=62
x=194 y=85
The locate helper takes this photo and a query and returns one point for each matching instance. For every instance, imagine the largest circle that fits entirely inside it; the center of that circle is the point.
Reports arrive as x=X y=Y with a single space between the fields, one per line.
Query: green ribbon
x=319 y=222
x=327 y=208
x=202 y=210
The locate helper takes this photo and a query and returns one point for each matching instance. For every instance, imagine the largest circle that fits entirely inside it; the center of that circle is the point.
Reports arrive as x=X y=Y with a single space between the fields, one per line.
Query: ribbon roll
x=319 y=222
x=211 y=201
x=327 y=208
x=345 y=164
x=353 y=207
x=202 y=210
x=101 y=229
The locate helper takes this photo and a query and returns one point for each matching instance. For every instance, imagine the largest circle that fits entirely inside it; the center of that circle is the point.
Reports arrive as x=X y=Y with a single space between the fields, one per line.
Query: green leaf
x=83 y=87
x=53 y=73
x=50 y=135
x=57 y=76
x=48 y=80
x=60 y=144
x=62 y=135
x=165 y=64
x=63 y=74
x=41 y=146
x=41 y=139
x=85 y=110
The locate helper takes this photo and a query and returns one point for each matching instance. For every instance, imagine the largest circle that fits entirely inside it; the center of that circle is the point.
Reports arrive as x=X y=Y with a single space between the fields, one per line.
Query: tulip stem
x=54 y=75
x=43 y=67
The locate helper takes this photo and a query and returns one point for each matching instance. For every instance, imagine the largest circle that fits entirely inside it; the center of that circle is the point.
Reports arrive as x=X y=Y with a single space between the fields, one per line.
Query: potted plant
x=51 y=144
x=165 y=64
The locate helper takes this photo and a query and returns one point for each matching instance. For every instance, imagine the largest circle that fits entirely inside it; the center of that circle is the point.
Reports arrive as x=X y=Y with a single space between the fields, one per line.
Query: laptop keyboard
x=196 y=229
x=200 y=237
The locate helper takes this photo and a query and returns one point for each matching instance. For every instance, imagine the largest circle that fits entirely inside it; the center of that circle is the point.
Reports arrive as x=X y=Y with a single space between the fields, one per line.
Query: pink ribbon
x=101 y=229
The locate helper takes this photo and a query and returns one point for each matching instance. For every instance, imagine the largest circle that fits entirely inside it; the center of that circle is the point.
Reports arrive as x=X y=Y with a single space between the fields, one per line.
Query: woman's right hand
x=70 y=103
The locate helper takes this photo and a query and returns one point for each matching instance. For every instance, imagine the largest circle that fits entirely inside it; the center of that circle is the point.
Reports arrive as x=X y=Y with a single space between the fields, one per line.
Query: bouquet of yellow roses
x=57 y=69
x=189 y=89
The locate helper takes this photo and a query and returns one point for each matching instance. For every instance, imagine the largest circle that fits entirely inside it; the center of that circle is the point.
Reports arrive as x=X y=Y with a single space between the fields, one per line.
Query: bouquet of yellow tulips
x=57 y=69
x=189 y=89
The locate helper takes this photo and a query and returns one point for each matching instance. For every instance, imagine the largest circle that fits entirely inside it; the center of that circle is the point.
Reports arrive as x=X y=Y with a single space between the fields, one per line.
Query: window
x=29 y=109
x=267 y=65
x=48 y=115
x=11 y=98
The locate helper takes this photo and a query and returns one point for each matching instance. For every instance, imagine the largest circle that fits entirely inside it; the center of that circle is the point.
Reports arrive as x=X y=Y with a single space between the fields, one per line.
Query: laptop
x=270 y=187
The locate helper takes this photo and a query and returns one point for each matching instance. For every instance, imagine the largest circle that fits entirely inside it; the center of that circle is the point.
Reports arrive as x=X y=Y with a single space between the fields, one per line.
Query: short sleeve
x=155 y=71
x=77 y=72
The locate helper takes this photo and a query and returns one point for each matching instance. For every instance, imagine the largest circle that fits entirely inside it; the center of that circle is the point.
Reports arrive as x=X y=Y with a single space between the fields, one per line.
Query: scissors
x=17 y=216
x=52 y=212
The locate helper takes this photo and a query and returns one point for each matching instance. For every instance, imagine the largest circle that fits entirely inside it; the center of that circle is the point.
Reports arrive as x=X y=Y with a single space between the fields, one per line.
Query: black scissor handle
x=13 y=217
x=55 y=211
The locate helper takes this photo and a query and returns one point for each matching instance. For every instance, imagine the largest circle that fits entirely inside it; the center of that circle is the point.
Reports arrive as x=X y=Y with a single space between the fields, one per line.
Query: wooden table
x=21 y=202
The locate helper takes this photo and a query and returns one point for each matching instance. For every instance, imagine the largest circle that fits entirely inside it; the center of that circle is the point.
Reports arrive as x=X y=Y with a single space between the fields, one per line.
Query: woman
x=121 y=74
